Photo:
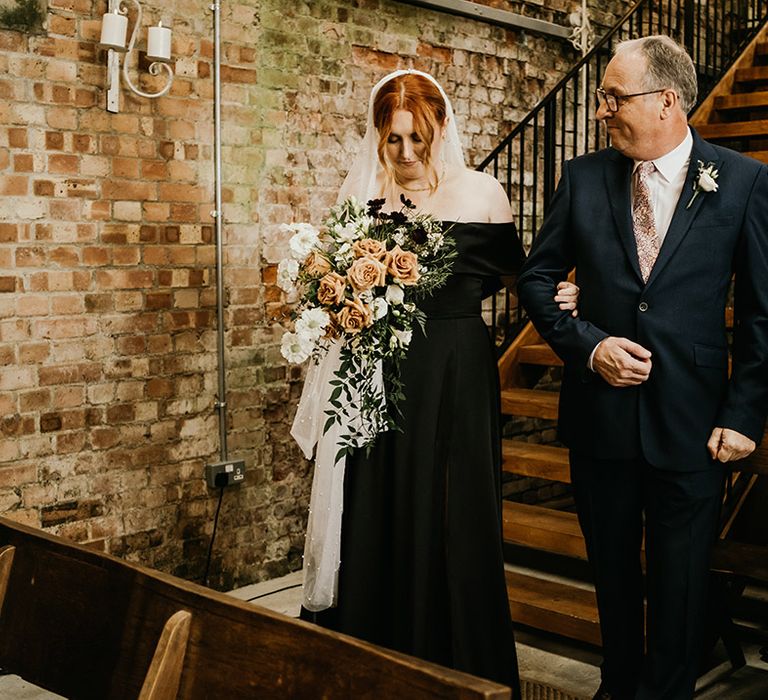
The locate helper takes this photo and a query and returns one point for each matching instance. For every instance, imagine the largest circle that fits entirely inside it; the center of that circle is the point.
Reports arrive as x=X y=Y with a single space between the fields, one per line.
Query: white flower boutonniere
x=706 y=181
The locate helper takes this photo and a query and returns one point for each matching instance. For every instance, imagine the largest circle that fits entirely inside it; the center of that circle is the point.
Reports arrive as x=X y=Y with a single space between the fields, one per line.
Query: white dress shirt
x=665 y=185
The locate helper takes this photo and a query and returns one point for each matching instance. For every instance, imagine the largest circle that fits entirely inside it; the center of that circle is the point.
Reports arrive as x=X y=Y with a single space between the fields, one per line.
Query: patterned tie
x=642 y=218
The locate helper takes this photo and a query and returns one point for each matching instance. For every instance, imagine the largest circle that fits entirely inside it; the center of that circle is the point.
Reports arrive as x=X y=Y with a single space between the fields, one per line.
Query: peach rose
x=333 y=329
x=331 y=289
x=316 y=264
x=355 y=316
x=370 y=247
x=404 y=266
x=366 y=272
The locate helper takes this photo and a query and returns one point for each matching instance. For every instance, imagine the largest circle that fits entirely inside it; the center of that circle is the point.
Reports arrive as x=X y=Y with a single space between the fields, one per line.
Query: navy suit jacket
x=679 y=315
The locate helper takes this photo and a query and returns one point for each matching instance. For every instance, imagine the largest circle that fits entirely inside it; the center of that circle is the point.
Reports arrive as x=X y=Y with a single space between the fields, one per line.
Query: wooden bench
x=88 y=625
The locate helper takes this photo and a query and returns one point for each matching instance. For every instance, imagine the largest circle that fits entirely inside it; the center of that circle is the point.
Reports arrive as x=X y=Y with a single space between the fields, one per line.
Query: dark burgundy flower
x=419 y=235
x=374 y=206
x=396 y=217
x=407 y=203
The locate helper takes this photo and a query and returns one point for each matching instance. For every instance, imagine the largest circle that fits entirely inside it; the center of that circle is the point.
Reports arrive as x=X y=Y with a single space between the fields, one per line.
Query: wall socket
x=230 y=473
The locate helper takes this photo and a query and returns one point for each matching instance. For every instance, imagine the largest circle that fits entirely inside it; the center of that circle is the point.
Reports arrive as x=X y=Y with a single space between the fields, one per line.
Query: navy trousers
x=617 y=502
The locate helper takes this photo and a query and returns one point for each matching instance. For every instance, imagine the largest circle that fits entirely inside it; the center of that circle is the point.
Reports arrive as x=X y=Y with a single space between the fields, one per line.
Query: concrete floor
x=569 y=667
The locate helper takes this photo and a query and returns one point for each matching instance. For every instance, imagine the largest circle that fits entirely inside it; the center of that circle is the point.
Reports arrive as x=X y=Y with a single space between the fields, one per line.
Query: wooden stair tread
x=553 y=606
x=742 y=559
x=529 y=402
x=724 y=130
x=534 y=460
x=762 y=156
x=539 y=354
x=742 y=100
x=549 y=530
x=754 y=74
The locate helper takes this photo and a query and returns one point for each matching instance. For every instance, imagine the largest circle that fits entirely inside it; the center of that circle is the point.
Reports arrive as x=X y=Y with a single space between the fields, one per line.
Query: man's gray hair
x=668 y=66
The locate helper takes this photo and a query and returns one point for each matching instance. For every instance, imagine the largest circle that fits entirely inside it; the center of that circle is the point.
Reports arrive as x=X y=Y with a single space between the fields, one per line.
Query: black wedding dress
x=421 y=553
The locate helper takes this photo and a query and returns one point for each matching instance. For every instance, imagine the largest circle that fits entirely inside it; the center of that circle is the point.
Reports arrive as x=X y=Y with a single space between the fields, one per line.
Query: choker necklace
x=424 y=189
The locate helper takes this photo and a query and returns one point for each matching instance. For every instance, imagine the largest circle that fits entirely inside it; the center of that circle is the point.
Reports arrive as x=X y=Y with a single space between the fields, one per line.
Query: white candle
x=114 y=27
x=159 y=43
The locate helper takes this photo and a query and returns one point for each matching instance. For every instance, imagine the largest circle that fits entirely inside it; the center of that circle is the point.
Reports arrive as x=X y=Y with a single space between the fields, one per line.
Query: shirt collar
x=670 y=164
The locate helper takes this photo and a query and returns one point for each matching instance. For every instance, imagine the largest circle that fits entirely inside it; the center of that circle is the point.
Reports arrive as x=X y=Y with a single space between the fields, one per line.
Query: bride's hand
x=567 y=297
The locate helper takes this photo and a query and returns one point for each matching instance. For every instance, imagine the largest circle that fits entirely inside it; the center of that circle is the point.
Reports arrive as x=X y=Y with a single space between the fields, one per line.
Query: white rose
x=394 y=294
x=707 y=182
x=287 y=271
x=312 y=323
x=379 y=307
x=403 y=337
x=302 y=242
x=347 y=233
x=295 y=348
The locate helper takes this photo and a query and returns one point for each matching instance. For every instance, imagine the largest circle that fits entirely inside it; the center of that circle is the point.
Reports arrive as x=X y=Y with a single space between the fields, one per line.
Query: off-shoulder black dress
x=421 y=555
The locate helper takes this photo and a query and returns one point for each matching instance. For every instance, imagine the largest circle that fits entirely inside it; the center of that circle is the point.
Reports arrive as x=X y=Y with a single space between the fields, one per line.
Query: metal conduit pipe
x=221 y=398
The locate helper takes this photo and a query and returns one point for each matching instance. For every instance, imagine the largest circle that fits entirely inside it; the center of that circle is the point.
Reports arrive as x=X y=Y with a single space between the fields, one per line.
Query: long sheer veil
x=360 y=181
x=322 y=548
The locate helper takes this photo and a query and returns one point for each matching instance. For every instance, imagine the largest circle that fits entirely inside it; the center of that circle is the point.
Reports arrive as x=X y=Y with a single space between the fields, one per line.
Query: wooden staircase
x=543 y=601
x=735 y=114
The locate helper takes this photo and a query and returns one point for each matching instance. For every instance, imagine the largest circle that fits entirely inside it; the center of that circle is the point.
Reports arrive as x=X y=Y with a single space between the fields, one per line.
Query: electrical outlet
x=230 y=473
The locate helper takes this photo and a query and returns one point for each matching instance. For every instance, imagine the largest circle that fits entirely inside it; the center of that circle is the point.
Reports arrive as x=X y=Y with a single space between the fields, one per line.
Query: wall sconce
x=114 y=27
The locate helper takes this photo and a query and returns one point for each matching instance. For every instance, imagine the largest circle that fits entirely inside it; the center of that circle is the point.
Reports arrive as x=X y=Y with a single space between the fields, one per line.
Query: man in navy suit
x=655 y=226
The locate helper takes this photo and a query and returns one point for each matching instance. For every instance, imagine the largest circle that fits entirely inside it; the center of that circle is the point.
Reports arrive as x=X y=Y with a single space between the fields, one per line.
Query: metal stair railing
x=562 y=126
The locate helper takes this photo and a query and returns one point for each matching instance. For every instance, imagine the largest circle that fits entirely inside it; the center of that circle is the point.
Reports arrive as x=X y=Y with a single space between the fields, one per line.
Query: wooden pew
x=88 y=625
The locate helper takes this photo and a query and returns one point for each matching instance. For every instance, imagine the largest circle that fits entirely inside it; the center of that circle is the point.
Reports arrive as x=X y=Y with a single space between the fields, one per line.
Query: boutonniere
x=706 y=181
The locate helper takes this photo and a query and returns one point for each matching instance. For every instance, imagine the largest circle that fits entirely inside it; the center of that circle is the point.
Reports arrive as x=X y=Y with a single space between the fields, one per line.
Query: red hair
x=422 y=98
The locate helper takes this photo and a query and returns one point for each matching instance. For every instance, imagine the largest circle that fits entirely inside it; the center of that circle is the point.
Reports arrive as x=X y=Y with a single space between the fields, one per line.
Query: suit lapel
x=618 y=181
x=684 y=215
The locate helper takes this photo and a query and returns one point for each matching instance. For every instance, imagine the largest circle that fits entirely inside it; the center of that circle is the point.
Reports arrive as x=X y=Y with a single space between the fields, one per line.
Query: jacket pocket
x=710 y=356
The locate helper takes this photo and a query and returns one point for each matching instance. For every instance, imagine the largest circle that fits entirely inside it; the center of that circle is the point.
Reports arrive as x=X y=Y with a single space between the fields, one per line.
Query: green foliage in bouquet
x=360 y=281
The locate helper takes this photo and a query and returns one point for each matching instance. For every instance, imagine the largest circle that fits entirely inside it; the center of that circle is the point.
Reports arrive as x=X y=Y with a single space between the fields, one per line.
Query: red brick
x=63 y=164
x=125 y=167
x=83 y=143
x=23 y=163
x=128 y=279
x=54 y=140
x=14 y=185
x=9 y=233
x=69 y=374
x=43 y=188
x=36 y=400
x=159 y=388
x=68 y=443
x=96 y=256
x=154 y=169
x=17 y=138
x=34 y=353
x=127 y=190
x=15 y=476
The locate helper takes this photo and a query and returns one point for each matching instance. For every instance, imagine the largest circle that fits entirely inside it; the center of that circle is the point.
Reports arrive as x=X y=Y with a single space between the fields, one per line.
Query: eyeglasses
x=613 y=102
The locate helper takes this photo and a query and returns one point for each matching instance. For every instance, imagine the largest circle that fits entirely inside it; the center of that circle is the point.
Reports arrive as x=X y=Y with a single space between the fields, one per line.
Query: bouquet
x=358 y=279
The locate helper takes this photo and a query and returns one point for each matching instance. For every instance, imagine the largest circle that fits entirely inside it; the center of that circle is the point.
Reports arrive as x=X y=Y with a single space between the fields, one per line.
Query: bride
x=420 y=565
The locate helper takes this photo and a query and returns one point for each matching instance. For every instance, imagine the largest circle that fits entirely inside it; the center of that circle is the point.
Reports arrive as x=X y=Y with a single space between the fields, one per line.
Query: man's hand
x=726 y=445
x=621 y=362
x=567 y=297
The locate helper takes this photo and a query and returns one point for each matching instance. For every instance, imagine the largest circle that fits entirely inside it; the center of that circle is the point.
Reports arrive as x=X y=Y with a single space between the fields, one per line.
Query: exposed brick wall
x=107 y=281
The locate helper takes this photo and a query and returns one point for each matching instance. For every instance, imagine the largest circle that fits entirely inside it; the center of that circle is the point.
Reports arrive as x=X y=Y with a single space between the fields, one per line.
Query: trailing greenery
x=24 y=15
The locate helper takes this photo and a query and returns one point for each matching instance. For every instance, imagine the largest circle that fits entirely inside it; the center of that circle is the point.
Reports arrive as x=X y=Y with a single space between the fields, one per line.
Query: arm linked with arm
x=551 y=258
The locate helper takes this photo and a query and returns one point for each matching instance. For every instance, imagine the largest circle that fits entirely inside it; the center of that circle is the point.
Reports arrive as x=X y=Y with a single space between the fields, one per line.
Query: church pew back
x=86 y=625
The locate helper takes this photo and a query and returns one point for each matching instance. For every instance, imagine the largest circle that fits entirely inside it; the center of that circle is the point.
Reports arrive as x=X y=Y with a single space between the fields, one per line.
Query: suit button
x=643 y=306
